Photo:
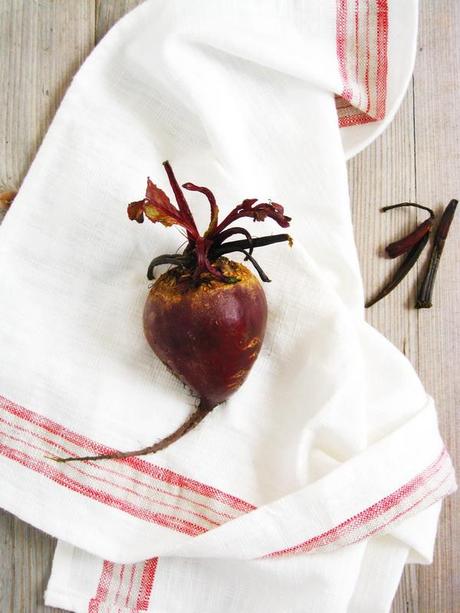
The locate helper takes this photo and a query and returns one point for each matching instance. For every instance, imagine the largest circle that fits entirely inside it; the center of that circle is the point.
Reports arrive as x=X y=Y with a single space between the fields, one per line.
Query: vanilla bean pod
x=426 y=289
x=408 y=263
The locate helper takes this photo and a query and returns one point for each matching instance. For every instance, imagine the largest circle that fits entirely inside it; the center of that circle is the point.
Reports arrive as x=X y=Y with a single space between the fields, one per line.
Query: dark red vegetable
x=205 y=318
x=209 y=334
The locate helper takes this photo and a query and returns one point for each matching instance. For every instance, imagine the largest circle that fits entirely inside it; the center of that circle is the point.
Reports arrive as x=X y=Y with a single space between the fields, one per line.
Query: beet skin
x=209 y=334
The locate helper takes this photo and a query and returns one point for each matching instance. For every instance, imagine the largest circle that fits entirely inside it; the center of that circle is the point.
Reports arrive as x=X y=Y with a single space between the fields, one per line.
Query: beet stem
x=262 y=241
x=180 y=198
x=193 y=420
x=187 y=258
x=257 y=266
x=175 y=259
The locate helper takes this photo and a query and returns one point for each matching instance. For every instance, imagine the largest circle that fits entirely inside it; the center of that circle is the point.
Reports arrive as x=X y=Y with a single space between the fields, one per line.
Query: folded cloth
x=321 y=477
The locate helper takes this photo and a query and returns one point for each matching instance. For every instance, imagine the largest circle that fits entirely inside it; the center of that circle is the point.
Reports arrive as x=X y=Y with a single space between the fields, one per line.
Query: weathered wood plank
x=385 y=174
x=25 y=566
x=437 y=110
x=7 y=566
x=42 y=44
x=110 y=11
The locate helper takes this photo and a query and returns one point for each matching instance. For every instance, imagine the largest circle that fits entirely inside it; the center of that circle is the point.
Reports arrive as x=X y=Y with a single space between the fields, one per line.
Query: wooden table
x=42 y=44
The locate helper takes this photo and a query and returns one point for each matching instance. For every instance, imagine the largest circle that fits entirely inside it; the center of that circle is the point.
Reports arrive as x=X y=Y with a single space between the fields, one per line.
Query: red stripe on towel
x=359 y=525
x=103 y=587
x=138 y=466
x=134 y=495
x=102 y=467
x=106 y=600
x=352 y=107
x=32 y=428
x=148 y=577
x=56 y=475
x=382 y=57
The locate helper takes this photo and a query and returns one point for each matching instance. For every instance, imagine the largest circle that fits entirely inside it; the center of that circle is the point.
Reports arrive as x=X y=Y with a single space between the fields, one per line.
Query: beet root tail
x=193 y=420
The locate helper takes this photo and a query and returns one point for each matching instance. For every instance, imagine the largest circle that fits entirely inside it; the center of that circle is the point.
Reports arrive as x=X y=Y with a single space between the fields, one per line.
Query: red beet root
x=208 y=335
x=204 y=318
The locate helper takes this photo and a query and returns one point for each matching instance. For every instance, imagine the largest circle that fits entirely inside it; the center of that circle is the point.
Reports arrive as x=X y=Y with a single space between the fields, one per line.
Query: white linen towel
x=321 y=477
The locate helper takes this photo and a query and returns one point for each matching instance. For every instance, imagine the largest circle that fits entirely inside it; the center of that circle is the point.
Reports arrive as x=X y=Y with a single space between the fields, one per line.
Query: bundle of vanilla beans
x=412 y=246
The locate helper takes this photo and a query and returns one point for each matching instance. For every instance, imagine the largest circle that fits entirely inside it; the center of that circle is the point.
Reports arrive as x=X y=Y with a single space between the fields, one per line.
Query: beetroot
x=209 y=335
x=205 y=318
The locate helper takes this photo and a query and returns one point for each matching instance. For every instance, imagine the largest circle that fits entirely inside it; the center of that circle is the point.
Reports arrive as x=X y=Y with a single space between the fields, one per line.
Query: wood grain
x=109 y=12
x=43 y=42
x=437 y=133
